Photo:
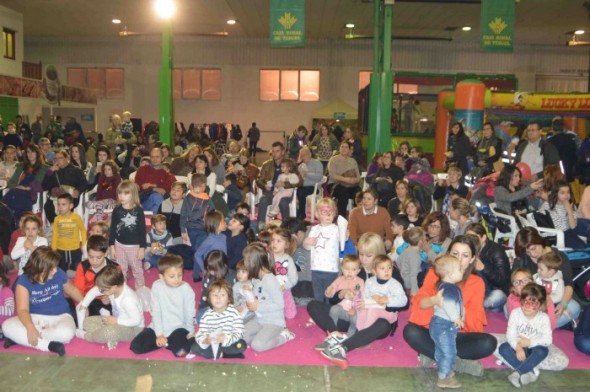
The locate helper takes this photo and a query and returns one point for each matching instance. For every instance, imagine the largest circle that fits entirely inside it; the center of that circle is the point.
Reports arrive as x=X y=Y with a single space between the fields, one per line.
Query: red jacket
x=84 y=279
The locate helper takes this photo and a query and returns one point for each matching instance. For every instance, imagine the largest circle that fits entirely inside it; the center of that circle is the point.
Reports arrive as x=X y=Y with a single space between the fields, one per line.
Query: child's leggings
x=290 y=307
x=276 y=199
x=127 y=257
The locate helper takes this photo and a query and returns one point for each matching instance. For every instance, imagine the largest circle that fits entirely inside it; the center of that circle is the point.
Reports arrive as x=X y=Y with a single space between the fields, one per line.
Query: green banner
x=287 y=23
x=497 y=25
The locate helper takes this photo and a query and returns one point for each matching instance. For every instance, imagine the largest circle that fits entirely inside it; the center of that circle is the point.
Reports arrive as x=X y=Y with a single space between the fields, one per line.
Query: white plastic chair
x=366 y=185
x=318 y=193
x=513 y=226
x=132 y=176
x=184 y=179
x=293 y=204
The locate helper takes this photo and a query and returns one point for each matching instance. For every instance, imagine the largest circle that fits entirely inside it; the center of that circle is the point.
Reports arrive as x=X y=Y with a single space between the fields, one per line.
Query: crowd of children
x=252 y=284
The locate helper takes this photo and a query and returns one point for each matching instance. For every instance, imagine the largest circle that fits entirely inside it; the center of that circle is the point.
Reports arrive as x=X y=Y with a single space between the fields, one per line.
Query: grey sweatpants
x=263 y=337
x=337 y=312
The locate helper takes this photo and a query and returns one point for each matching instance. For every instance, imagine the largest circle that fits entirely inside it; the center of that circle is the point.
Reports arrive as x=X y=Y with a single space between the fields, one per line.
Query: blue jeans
x=534 y=356
x=196 y=237
x=582 y=343
x=444 y=335
x=151 y=201
x=153 y=260
x=320 y=281
x=572 y=313
x=495 y=300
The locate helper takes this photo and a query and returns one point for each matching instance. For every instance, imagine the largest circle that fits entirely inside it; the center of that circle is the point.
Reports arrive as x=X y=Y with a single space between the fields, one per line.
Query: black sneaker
x=58 y=348
x=9 y=343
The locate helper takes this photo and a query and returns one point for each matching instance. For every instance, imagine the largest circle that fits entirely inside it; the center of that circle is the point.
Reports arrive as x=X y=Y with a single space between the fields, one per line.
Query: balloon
x=525 y=170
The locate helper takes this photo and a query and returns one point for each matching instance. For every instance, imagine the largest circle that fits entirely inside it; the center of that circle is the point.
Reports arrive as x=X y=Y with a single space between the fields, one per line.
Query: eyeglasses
x=521 y=282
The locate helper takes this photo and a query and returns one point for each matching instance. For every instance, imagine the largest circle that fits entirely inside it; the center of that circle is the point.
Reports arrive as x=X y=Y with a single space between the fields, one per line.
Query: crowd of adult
x=62 y=160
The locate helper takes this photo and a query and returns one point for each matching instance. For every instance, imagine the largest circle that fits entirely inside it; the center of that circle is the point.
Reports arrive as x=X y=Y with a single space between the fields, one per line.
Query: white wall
x=14 y=21
x=241 y=59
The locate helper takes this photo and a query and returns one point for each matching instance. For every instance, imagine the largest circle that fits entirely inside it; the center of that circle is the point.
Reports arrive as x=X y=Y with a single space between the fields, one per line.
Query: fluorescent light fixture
x=350 y=25
x=466 y=28
x=579 y=32
x=116 y=21
x=165 y=8
x=231 y=21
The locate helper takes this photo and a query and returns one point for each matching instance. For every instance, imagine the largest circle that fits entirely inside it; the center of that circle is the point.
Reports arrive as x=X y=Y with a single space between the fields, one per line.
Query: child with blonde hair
x=324 y=242
x=447 y=320
x=127 y=237
x=290 y=178
x=369 y=246
x=32 y=238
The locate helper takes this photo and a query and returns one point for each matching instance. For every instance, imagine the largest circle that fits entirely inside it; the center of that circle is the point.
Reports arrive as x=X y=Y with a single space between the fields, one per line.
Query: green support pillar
x=381 y=82
x=166 y=100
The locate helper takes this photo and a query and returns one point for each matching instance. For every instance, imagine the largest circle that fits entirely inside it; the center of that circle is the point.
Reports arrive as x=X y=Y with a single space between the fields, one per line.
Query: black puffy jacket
x=496 y=266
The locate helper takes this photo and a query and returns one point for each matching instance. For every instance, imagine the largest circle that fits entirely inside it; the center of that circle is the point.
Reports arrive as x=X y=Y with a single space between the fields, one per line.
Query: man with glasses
x=154 y=182
x=45 y=146
x=536 y=152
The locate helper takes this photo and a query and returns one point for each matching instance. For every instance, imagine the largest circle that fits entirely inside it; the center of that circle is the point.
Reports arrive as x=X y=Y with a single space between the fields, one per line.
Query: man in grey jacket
x=536 y=151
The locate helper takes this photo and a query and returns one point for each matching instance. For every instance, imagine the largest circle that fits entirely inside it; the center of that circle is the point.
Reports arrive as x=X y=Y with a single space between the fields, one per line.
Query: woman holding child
x=472 y=342
x=344 y=177
x=529 y=246
x=43 y=319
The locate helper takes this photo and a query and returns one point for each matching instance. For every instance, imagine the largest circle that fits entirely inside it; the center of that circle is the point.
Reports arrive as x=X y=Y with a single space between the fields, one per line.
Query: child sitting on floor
x=32 y=238
x=6 y=298
x=160 y=238
x=550 y=277
x=172 y=309
x=221 y=330
x=410 y=261
x=216 y=268
x=242 y=291
x=528 y=336
x=126 y=320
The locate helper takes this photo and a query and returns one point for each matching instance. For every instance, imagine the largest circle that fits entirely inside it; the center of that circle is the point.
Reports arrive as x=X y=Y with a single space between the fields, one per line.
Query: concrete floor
x=37 y=373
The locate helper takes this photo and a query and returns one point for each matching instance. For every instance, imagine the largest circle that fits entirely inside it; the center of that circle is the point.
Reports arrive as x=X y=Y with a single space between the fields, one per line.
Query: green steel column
x=381 y=87
x=166 y=100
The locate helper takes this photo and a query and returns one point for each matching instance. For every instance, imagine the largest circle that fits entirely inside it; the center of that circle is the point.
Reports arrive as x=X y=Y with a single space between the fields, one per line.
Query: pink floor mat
x=389 y=352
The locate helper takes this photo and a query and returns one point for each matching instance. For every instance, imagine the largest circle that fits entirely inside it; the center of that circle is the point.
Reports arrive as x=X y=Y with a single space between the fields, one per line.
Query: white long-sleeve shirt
x=285 y=271
x=554 y=286
x=537 y=329
x=396 y=296
x=127 y=307
x=21 y=254
x=172 y=308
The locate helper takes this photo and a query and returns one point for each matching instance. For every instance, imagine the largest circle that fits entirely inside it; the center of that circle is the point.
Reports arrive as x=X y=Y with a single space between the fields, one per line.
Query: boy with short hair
x=194 y=208
x=451 y=186
x=302 y=291
x=97 y=247
x=234 y=195
x=550 y=277
x=160 y=238
x=69 y=234
x=171 y=208
x=172 y=310
x=399 y=224
x=410 y=261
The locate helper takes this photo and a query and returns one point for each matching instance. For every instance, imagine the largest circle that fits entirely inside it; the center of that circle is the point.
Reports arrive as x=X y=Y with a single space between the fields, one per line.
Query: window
x=108 y=83
x=8 y=44
x=289 y=85
x=193 y=83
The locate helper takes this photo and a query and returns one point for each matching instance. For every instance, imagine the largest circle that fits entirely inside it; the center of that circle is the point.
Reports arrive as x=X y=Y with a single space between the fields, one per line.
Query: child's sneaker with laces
x=336 y=355
x=287 y=335
x=333 y=339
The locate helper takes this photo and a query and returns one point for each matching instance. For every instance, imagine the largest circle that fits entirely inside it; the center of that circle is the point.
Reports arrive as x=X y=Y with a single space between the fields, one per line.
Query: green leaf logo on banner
x=497 y=25
x=287 y=23
x=287 y=20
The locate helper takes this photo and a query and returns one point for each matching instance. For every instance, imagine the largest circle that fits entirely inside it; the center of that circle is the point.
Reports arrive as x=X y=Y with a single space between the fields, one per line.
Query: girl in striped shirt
x=221 y=329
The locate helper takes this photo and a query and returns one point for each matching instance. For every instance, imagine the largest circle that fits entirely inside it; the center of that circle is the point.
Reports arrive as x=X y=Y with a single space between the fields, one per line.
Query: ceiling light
x=350 y=25
x=579 y=32
x=231 y=22
x=466 y=28
x=116 y=21
x=165 y=8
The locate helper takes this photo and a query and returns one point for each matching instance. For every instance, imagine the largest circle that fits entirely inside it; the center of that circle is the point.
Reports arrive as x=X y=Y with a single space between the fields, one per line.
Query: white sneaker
x=80 y=333
x=146 y=266
x=287 y=335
